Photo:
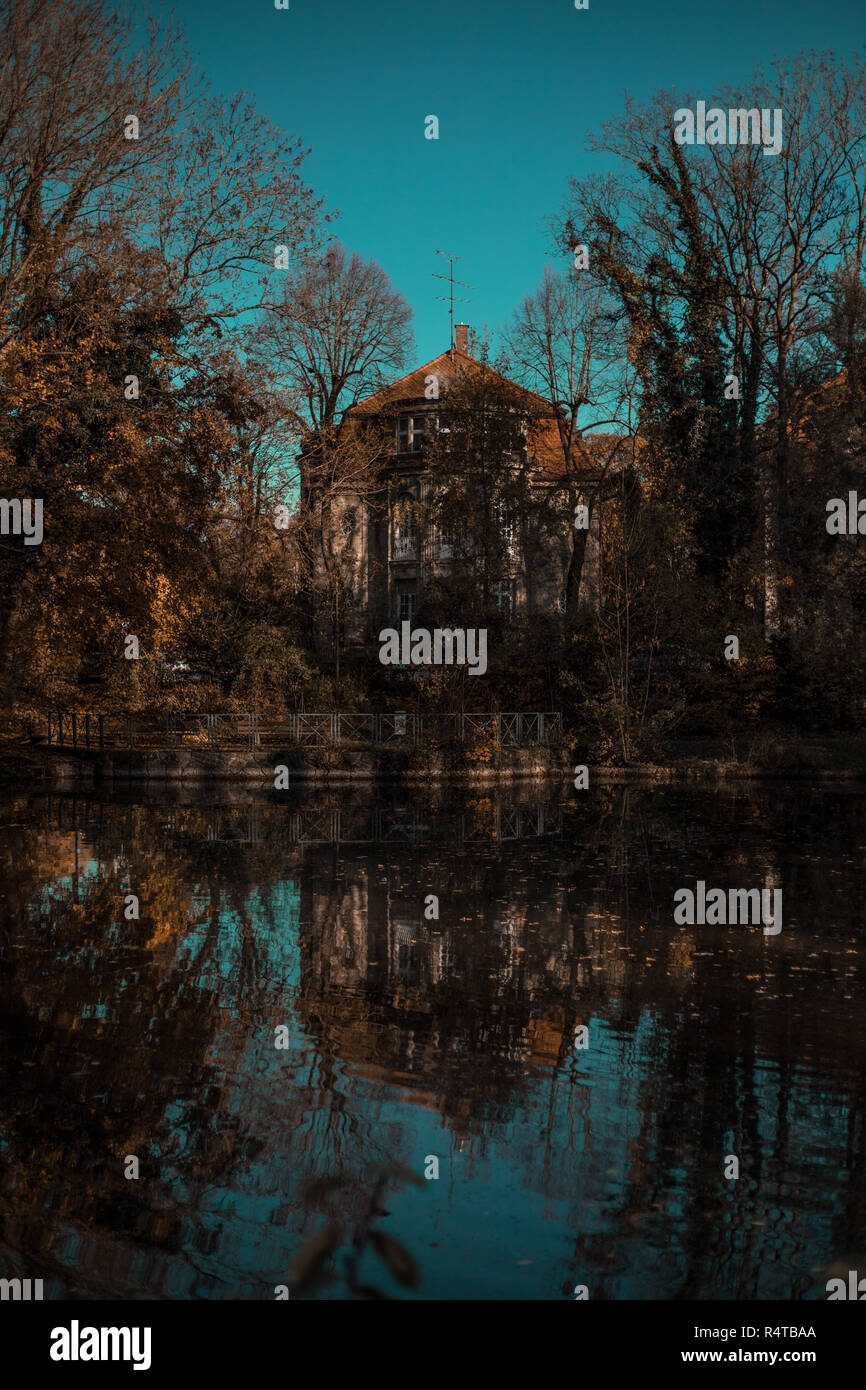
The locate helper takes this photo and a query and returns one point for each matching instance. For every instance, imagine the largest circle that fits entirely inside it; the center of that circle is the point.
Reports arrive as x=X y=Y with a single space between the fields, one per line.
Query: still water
x=410 y=1038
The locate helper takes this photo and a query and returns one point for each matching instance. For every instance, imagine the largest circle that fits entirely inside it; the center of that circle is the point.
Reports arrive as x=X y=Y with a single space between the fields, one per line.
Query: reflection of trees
x=114 y=1030
x=155 y=1036
x=538 y=943
x=744 y=1032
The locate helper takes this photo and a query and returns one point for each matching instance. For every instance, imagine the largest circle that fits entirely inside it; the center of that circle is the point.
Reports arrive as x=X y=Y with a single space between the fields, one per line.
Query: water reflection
x=411 y=1036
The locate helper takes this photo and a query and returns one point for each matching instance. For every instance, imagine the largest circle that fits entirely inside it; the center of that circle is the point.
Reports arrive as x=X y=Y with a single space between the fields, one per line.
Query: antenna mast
x=451 y=283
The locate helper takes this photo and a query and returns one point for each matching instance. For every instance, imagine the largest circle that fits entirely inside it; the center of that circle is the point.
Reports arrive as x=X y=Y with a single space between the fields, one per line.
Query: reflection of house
x=392 y=554
x=449 y=1009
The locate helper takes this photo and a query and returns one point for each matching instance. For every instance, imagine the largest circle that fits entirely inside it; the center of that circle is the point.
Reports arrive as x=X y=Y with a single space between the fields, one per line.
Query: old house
x=389 y=547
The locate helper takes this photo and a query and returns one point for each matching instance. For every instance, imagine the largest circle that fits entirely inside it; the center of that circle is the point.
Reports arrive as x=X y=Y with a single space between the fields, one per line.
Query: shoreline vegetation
x=780 y=758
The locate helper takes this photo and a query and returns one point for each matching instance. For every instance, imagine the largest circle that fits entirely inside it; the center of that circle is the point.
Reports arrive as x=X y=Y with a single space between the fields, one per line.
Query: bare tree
x=340 y=330
x=734 y=249
x=780 y=229
x=566 y=343
x=112 y=146
x=140 y=217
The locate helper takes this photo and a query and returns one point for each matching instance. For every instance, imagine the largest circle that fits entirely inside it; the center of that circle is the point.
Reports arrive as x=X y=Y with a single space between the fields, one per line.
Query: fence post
x=87 y=730
x=101 y=740
x=74 y=731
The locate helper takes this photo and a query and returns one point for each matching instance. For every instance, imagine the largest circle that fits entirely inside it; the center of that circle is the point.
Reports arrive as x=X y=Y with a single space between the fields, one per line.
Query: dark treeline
x=726 y=285
x=180 y=334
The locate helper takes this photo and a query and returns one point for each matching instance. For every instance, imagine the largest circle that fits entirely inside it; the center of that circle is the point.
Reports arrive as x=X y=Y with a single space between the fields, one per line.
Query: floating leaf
x=396 y=1257
x=308 y=1266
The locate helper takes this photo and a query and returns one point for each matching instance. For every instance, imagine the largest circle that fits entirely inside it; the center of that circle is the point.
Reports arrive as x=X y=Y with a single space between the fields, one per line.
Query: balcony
x=404 y=547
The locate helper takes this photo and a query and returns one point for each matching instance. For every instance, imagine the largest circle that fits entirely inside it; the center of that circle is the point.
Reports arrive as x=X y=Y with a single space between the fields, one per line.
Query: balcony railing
x=405 y=548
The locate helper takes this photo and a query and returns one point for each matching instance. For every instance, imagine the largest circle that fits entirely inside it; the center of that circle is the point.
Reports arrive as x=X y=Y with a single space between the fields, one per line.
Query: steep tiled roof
x=448 y=366
x=593 y=452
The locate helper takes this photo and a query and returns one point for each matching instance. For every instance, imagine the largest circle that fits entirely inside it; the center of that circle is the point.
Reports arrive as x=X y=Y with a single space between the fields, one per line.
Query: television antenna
x=449 y=298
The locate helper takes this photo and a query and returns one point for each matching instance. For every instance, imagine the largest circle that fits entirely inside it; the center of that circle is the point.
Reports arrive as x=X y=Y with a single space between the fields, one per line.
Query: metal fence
x=341 y=729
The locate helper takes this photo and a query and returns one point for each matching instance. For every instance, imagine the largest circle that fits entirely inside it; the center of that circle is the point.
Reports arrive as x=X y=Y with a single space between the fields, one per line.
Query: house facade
x=390 y=552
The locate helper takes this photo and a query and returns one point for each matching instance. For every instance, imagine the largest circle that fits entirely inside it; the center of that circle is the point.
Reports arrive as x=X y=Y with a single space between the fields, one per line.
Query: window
x=503 y=596
x=404 y=531
x=447 y=545
x=453 y=540
x=405 y=933
x=412 y=432
x=505 y=520
x=406 y=600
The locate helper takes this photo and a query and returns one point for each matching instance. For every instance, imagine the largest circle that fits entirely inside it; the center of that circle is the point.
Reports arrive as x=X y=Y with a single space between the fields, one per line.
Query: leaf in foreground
x=308 y=1266
x=396 y=1257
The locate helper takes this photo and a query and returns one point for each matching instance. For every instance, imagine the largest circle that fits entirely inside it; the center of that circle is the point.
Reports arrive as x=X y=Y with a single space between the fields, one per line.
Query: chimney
x=461 y=337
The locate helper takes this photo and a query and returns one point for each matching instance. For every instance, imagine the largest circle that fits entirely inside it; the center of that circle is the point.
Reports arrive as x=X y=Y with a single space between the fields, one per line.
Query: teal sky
x=516 y=85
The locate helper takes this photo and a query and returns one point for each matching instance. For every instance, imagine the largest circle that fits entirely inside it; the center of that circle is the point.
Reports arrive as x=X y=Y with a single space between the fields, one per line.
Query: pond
x=234 y=994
